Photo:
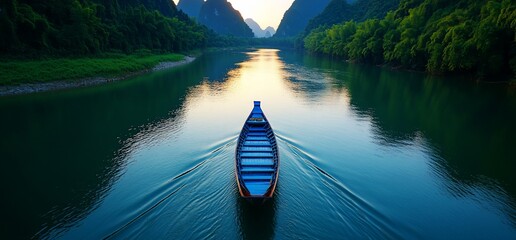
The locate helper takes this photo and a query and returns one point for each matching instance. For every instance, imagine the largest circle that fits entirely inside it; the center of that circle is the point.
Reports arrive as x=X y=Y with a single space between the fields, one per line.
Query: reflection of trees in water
x=307 y=83
x=65 y=150
x=470 y=126
x=215 y=67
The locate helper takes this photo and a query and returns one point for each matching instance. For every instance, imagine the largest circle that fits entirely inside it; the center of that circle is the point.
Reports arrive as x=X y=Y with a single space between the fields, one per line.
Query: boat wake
x=359 y=218
x=164 y=196
x=203 y=201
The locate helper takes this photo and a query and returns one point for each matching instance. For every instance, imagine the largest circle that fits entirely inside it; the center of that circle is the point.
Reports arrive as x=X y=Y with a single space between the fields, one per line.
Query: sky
x=264 y=12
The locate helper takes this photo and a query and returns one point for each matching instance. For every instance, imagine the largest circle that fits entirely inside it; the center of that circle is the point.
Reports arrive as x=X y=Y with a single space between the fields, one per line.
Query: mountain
x=297 y=16
x=220 y=16
x=258 y=31
x=191 y=7
x=269 y=30
x=339 y=11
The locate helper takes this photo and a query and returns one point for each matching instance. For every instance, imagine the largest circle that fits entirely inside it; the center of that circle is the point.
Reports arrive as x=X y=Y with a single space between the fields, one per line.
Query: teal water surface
x=365 y=153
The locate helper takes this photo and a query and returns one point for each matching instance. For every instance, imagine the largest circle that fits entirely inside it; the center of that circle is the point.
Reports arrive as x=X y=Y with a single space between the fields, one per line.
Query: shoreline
x=28 y=88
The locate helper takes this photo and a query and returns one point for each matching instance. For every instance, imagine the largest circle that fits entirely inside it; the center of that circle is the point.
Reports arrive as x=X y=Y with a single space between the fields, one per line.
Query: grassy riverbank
x=13 y=72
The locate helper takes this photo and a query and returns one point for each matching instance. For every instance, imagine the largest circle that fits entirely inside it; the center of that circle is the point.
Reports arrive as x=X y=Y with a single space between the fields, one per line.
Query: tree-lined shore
x=440 y=37
x=41 y=38
x=86 y=27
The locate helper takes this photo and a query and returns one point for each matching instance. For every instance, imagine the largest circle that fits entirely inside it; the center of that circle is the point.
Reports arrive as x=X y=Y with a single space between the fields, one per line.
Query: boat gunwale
x=271 y=136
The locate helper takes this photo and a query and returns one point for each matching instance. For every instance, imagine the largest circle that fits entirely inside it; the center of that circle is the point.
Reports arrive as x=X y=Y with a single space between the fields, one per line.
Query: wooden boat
x=257 y=160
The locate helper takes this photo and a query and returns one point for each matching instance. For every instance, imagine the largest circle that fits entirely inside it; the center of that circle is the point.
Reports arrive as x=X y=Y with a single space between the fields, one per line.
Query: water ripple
x=358 y=216
x=181 y=182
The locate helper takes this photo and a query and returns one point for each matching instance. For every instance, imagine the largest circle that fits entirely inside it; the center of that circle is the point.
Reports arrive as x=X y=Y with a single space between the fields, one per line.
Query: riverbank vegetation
x=53 y=40
x=438 y=36
x=73 y=27
x=45 y=70
x=231 y=41
x=70 y=39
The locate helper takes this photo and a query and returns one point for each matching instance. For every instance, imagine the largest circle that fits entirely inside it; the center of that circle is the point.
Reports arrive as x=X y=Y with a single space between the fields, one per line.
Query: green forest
x=339 y=11
x=438 y=36
x=92 y=27
x=67 y=27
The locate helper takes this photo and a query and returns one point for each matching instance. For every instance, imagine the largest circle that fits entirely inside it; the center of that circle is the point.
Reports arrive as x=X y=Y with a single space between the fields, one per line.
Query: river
x=365 y=152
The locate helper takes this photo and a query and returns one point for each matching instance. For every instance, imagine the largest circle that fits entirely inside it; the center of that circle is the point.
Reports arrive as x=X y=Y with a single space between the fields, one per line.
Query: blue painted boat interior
x=257 y=153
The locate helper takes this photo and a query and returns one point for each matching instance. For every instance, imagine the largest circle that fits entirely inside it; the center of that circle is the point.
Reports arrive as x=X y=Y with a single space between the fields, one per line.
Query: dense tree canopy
x=339 y=11
x=439 y=36
x=93 y=26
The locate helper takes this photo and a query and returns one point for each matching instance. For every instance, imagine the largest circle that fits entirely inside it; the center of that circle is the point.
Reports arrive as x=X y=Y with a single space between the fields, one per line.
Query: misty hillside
x=191 y=7
x=339 y=11
x=269 y=30
x=258 y=31
x=297 y=16
x=220 y=16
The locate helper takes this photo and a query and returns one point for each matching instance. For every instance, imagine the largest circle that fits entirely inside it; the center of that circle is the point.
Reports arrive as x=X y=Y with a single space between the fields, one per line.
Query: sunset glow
x=264 y=12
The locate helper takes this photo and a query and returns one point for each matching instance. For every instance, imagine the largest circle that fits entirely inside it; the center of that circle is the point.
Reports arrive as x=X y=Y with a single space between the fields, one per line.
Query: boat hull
x=257 y=159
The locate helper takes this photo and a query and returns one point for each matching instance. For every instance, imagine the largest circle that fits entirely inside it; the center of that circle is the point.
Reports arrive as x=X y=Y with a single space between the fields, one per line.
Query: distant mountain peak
x=258 y=31
x=270 y=29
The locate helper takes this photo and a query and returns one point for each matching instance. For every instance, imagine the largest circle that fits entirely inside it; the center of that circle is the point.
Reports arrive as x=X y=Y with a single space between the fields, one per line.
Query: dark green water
x=365 y=153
